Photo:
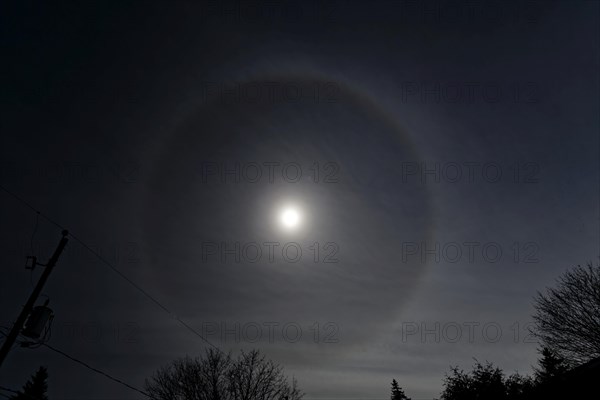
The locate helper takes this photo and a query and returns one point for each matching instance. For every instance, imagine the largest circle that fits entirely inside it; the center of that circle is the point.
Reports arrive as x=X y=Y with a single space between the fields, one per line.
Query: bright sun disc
x=290 y=218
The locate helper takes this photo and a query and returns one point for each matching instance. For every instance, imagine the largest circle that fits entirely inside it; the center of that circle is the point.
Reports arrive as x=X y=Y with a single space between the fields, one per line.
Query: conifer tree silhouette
x=397 y=392
x=35 y=388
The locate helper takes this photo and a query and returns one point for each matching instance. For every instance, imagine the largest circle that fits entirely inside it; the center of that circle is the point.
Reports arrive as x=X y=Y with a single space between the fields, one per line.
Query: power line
x=95 y=369
x=115 y=269
x=145 y=293
x=37 y=221
x=17 y=393
x=32 y=208
x=85 y=365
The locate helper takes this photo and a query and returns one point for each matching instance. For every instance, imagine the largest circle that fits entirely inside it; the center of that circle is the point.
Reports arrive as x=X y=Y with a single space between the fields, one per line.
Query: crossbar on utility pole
x=18 y=325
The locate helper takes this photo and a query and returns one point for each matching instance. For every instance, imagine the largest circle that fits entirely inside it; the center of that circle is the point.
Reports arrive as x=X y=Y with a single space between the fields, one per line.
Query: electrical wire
x=17 y=392
x=95 y=369
x=31 y=250
x=115 y=269
x=79 y=362
x=37 y=220
x=124 y=277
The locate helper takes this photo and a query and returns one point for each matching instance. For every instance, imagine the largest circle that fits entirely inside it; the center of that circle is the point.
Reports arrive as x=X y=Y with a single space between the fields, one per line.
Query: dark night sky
x=118 y=119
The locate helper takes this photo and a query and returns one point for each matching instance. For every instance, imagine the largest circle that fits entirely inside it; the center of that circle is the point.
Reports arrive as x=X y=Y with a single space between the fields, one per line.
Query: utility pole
x=18 y=325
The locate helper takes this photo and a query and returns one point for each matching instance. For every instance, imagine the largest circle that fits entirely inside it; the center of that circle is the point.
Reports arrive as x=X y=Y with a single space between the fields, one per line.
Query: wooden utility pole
x=18 y=325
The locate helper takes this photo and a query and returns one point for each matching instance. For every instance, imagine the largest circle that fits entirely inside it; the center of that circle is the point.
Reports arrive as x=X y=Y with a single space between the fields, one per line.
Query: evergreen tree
x=397 y=392
x=488 y=382
x=519 y=387
x=551 y=365
x=485 y=382
x=35 y=388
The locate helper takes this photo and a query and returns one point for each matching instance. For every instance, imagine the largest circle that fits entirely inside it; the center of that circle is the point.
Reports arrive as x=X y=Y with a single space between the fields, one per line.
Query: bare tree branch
x=217 y=377
x=567 y=317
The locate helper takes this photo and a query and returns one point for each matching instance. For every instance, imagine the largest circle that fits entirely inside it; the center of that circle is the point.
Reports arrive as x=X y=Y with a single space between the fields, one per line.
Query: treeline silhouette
x=552 y=379
x=218 y=376
x=567 y=324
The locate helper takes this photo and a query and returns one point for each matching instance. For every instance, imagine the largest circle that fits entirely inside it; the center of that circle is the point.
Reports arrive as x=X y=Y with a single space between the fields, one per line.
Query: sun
x=290 y=218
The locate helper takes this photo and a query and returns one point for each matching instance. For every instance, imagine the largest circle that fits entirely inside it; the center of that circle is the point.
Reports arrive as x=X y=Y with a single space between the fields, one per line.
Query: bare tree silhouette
x=217 y=376
x=567 y=317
